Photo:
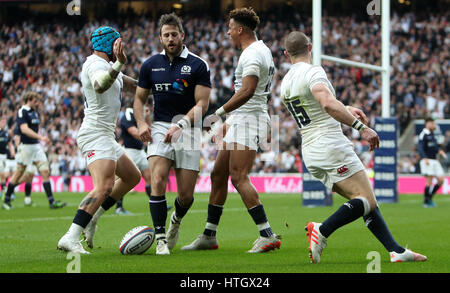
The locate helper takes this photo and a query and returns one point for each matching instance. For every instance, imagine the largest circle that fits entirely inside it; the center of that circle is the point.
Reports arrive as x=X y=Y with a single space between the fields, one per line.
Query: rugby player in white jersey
x=102 y=87
x=248 y=126
x=328 y=153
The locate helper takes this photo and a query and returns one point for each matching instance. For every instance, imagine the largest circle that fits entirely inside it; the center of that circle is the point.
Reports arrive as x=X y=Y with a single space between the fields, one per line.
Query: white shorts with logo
x=27 y=154
x=185 y=152
x=95 y=146
x=138 y=157
x=433 y=168
x=331 y=158
x=248 y=130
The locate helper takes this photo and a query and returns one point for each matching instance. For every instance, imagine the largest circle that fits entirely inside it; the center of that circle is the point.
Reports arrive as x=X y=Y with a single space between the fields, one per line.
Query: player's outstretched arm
x=201 y=94
x=129 y=84
x=247 y=90
x=338 y=111
x=140 y=100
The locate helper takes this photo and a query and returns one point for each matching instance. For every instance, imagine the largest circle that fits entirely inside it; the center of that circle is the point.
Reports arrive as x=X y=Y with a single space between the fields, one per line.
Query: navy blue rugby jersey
x=173 y=84
x=4 y=139
x=30 y=117
x=428 y=146
x=126 y=122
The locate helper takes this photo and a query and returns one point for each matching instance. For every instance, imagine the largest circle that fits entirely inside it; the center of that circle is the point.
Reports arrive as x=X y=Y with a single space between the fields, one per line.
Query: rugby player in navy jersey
x=180 y=83
x=30 y=151
x=430 y=167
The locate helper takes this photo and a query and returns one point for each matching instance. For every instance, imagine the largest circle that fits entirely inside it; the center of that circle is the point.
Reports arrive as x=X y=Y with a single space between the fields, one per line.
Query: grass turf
x=28 y=238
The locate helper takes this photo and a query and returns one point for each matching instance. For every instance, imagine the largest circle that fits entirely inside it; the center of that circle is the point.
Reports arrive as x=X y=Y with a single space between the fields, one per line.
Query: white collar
x=184 y=54
x=26 y=107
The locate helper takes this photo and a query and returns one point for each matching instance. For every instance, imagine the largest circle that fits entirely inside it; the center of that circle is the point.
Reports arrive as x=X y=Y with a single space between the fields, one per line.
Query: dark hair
x=245 y=16
x=170 y=19
x=296 y=44
x=429 y=119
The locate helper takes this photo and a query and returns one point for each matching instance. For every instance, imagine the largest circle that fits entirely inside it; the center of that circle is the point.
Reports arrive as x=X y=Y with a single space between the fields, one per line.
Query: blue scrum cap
x=103 y=39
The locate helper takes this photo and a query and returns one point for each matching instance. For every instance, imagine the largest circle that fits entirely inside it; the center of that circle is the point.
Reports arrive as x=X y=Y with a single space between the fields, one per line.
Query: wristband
x=358 y=125
x=183 y=123
x=220 y=111
x=117 y=66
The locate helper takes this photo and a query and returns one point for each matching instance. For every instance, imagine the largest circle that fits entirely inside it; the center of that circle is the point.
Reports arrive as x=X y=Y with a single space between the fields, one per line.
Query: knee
x=237 y=178
x=158 y=180
x=136 y=179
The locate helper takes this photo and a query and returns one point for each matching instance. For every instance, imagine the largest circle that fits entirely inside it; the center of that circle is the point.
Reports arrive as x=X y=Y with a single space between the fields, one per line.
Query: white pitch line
x=104 y=216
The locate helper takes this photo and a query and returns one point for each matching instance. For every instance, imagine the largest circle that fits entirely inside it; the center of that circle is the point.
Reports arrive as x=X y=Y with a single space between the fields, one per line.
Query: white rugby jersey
x=256 y=60
x=100 y=110
x=296 y=94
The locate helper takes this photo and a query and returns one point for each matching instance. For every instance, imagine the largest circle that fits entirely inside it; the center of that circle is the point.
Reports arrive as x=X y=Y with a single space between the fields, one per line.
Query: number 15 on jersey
x=298 y=112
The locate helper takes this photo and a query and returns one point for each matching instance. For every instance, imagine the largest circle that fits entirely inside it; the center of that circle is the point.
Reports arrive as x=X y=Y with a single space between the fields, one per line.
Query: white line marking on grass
x=104 y=216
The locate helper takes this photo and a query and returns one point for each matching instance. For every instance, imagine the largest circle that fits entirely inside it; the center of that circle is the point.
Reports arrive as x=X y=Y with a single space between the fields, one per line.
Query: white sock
x=75 y=231
x=98 y=213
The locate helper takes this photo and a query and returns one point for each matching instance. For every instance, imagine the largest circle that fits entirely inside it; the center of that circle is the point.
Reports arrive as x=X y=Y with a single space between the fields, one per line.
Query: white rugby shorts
x=27 y=154
x=2 y=163
x=97 y=146
x=138 y=157
x=185 y=152
x=433 y=168
x=248 y=130
x=331 y=158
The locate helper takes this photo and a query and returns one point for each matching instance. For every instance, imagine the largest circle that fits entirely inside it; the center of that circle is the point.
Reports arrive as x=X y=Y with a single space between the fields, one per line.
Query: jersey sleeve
x=315 y=76
x=421 y=145
x=93 y=68
x=127 y=120
x=145 y=76
x=251 y=64
x=203 y=76
x=22 y=117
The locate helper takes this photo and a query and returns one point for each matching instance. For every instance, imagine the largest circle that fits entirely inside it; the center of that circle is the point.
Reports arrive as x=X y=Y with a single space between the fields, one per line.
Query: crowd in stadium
x=47 y=58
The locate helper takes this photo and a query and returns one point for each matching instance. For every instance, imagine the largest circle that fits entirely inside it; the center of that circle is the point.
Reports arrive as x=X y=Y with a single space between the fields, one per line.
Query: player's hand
x=358 y=114
x=145 y=132
x=119 y=52
x=173 y=134
x=371 y=137
x=427 y=162
x=217 y=138
x=44 y=139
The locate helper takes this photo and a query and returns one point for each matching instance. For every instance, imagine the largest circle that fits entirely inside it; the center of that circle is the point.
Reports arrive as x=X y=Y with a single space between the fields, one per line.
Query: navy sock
x=427 y=194
x=148 y=190
x=27 y=189
x=108 y=203
x=119 y=204
x=9 y=191
x=347 y=213
x=376 y=224
x=435 y=189
x=158 y=210
x=48 y=191
x=214 y=214
x=180 y=209
x=259 y=217
x=82 y=218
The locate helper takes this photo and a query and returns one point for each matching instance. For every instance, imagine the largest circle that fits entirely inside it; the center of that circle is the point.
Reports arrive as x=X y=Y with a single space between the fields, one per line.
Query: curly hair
x=170 y=19
x=245 y=16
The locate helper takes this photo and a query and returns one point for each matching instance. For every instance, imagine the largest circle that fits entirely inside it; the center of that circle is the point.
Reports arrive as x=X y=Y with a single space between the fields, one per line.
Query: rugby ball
x=137 y=241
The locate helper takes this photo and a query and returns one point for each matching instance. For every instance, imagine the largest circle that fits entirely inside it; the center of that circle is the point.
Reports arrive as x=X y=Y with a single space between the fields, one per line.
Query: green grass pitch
x=28 y=238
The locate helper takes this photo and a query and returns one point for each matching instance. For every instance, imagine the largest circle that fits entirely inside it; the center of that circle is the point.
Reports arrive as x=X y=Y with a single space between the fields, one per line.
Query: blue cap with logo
x=103 y=39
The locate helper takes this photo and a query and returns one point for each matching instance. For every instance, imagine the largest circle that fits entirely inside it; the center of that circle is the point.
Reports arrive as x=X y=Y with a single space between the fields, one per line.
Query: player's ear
x=309 y=47
x=286 y=53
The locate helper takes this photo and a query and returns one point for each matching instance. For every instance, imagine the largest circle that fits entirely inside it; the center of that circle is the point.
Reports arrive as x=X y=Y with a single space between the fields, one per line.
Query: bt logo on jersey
x=162 y=86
